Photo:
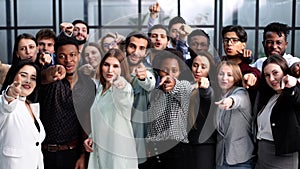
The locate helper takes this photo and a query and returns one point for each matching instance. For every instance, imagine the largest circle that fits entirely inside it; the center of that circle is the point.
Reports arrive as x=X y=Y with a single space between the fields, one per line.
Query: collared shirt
x=289 y=58
x=263 y=120
x=168 y=113
x=65 y=112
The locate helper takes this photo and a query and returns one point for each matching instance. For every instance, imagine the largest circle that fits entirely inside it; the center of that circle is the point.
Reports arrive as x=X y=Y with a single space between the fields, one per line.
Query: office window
x=72 y=9
x=125 y=16
x=275 y=10
x=34 y=13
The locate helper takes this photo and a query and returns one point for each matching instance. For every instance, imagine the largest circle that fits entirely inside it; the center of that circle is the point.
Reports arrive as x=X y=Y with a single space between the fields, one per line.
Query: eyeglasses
x=199 y=44
x=232 y=40
x=108 y=45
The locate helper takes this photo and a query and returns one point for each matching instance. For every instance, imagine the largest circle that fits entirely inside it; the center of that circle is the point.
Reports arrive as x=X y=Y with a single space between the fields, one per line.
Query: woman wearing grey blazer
x=233 y=120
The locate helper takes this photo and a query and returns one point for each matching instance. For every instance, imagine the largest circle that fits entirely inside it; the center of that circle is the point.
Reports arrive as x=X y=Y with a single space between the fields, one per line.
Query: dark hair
x=12 y=72
x=239 y=30
x=120 y=55
x=197 y=32
x=159 y=26
x=277 y=27
x=168 y=53
x=62 y=40
x=265 y=91
x=175 y=20
x=137 y=35
x=45 y=34
x=83 y=22
x=15 y=58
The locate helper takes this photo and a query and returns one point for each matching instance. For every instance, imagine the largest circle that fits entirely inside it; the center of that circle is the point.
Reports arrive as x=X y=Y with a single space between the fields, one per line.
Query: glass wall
x=123 y=16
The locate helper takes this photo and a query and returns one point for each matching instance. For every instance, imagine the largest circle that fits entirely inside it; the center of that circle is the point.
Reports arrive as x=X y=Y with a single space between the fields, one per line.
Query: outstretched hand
x=184 y=31
x=249 y=80
x=54 y=73
x=119 y=82
x=15 y=88
x=247 y=53
x=167 y=83
x=225 y=103
x=288 y=81
x=154 y=10
x=141 y=71
x=45 y=59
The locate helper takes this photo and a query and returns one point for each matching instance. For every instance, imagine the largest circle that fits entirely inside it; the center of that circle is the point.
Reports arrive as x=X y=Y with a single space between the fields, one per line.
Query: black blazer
x=285 y=121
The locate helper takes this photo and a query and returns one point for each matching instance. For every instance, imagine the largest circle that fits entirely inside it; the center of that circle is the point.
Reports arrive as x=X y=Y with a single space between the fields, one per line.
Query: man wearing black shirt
x=65 y=106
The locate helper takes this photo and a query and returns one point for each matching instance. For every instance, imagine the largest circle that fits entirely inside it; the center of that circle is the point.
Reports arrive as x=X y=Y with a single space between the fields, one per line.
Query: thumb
x=141 y=65
x=18 y=81
x=117 y=35
x=162 y=80
x=219 y=102
x=282 y=82
x=246 y=77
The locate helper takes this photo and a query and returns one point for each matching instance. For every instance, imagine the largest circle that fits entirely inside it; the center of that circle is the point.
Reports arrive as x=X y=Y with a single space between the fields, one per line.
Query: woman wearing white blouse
x=21 y=131
x=112 y=134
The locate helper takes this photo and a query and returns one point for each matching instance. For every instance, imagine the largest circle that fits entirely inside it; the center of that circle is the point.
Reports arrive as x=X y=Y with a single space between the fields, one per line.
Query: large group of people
x=154 y=100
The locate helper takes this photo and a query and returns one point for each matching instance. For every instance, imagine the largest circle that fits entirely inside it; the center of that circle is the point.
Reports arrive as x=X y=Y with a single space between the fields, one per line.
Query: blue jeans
x=246 y=165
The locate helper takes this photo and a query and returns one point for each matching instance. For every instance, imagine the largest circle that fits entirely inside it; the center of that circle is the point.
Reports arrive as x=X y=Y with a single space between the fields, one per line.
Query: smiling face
x=136 y=50
x=111 y=69
x=273 y=75
x=27 y=50
x=27 y=75
x=274 y=44
x=92 y=56
x=81 y=32
x=200 y=67
x=109 y=43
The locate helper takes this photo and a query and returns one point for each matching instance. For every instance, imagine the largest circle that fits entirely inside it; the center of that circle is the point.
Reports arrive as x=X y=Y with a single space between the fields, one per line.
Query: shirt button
x=37 y=143
x=273 y=124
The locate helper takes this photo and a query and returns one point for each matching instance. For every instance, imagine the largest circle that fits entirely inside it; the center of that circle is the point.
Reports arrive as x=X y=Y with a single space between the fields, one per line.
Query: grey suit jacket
x=234 y=140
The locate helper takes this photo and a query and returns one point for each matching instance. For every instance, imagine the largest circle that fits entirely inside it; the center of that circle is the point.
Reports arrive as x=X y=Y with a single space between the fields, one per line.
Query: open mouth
x=157 y=44
x=26 y=86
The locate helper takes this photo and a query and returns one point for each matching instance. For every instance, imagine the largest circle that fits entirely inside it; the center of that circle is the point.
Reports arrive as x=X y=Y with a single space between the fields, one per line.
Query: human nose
x=272 y=78
x=224 y=77
x=110 y=68
x=198 y=69
x=68 y=58
x=27 y=79
x=27 y=50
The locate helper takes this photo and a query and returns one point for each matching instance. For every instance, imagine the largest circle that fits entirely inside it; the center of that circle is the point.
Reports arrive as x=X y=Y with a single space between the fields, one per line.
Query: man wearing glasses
x=234 y=43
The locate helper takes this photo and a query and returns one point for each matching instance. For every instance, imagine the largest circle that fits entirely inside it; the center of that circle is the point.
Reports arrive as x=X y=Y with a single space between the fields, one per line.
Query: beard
x=80 y=42
x=134 y=64
x=70 y=74
x=173 y=41
x=131 y=63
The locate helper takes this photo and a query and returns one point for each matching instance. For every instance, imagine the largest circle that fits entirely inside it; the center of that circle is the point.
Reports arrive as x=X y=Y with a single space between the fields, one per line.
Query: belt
x=60 y=147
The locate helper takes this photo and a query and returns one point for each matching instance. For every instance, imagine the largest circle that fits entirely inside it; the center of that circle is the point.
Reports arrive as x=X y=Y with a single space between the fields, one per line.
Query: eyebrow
x=27 y=74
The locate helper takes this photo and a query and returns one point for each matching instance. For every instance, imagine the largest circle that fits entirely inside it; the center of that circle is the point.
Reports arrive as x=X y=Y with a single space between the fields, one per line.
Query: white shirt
x=289 y=58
